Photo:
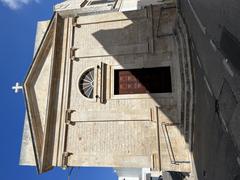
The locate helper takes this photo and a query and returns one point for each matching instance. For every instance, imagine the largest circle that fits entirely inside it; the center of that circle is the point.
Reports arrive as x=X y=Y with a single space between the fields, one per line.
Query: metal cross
x=17 y=87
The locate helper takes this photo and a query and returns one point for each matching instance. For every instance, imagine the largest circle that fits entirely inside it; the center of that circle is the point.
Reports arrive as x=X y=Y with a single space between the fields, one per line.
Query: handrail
x=168 y=142
x=169 y=145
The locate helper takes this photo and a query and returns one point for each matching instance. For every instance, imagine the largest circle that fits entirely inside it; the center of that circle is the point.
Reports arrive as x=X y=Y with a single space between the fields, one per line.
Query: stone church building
x=110 y=85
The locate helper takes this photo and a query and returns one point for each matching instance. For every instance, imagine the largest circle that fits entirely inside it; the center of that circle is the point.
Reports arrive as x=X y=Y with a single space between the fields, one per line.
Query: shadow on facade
x=155 y=70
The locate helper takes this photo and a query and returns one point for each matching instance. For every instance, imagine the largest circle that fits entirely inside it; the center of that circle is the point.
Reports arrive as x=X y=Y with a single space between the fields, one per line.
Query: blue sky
x=18 y=20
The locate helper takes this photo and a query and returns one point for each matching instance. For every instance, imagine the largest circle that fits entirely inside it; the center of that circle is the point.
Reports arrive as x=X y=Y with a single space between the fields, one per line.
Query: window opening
x=96 y=2
x=86 y=83
x=141 y=81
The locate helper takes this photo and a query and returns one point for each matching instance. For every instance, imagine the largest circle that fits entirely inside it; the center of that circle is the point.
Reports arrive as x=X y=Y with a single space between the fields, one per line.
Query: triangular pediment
x=37 y=87
x=40 y=87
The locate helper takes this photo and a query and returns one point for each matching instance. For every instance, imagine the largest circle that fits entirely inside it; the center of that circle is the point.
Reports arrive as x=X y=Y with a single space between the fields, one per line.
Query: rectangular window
x=96 y=2
x=141 y=81
x=84 y=3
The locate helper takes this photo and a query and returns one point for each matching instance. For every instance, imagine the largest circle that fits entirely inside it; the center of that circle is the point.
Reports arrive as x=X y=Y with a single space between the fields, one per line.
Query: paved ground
x=216 y=141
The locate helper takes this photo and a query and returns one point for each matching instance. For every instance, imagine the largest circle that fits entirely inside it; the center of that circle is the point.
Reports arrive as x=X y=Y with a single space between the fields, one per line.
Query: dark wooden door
x=139 y=81
x=129 y=84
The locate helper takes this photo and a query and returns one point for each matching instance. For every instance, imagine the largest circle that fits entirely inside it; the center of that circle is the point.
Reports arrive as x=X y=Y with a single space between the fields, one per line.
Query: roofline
x=31 y=131
x=39 y=47
x=37 y=159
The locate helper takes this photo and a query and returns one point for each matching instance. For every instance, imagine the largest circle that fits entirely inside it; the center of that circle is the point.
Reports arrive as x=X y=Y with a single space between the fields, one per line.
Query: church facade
x=110 y=85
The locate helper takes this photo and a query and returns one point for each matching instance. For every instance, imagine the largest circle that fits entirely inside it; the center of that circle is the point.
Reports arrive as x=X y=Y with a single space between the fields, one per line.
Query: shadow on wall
x=146 y=47
x=150 y=44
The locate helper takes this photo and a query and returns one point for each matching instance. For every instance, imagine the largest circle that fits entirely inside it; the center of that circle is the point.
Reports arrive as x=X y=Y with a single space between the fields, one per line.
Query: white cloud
x=16 y=4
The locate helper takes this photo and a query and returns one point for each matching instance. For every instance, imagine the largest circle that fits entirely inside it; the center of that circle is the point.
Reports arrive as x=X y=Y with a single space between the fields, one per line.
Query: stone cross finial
x=17 y=87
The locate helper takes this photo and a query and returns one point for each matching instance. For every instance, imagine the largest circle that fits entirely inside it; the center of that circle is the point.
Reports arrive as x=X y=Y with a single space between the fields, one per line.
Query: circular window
x=86 y=83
